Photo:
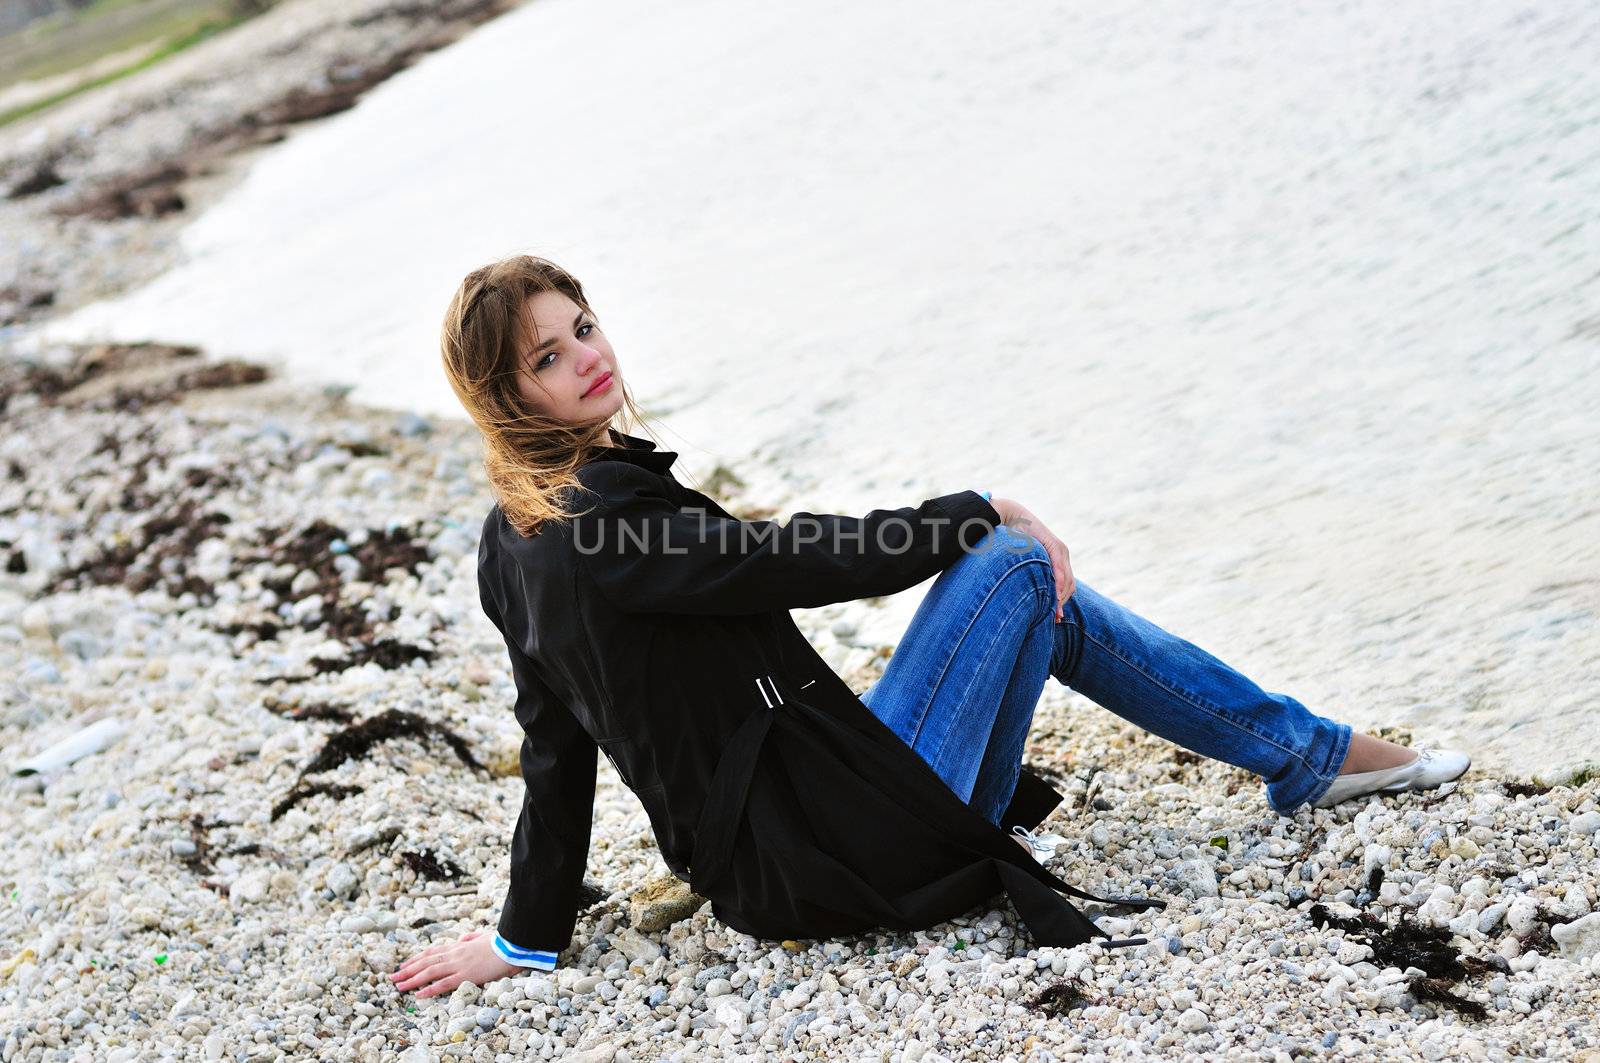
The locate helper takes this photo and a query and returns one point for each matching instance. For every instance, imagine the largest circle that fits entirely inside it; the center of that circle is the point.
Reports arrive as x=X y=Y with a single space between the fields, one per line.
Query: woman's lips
x=599 y=387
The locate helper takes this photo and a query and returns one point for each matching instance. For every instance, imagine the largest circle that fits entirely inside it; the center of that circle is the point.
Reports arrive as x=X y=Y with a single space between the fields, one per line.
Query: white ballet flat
x=1042 y=846
x=1432 y=767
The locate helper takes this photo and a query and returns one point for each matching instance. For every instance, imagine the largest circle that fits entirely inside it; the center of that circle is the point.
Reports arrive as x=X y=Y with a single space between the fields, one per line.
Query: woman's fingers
x=408 y=968
x=1065 y=584
x=423 y=977
x=416 y=962
x=447 y=984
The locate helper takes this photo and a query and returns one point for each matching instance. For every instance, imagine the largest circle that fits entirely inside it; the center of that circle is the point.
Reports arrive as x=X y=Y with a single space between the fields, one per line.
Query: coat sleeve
x=646 y=553
x=550 y=845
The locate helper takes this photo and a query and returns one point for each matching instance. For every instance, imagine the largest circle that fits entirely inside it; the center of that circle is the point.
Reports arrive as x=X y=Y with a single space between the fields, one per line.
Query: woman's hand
x=1015 y=515
x=440 y=968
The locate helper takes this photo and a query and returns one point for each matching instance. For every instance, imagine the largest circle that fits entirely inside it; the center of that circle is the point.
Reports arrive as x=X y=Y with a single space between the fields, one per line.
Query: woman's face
x=569 y=372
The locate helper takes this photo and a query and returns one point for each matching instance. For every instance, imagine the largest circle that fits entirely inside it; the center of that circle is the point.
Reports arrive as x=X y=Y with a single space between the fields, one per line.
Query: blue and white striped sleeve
x=521 y=957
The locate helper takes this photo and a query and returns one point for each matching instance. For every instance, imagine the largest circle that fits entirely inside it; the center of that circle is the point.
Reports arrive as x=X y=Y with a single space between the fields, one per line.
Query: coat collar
x=638 y=451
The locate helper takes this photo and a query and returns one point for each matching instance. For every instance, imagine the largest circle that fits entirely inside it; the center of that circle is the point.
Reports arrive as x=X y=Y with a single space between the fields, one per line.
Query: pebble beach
x=273 y=592
x=257 y=743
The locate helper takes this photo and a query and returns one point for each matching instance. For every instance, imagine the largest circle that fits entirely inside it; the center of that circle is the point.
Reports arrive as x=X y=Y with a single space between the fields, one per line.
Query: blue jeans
x=962 y=685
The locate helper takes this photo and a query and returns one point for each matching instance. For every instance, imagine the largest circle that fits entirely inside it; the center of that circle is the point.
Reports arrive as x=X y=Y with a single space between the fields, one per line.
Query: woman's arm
x=647 y=554
x=549 y=847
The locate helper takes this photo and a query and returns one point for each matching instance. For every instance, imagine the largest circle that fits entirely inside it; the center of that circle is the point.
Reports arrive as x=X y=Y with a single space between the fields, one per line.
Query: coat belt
x=729 y=790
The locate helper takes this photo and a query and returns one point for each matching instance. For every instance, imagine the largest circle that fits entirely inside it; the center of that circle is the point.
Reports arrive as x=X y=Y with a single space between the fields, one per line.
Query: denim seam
x=998 y=806
x=988 y=652
x=1044 y=602
x=965 y=631
x=1201 y=704
x=1219 y=711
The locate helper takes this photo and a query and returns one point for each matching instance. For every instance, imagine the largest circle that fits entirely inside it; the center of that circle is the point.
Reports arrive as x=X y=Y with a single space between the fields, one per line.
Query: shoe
x=1042 y=846
x=1432 y=767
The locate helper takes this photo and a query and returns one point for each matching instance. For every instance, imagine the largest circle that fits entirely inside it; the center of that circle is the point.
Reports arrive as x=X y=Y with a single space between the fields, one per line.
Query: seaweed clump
x=1409 y=945
x=316 y=549
x=355 y=741
x=428 y=865
x=1060 y=997
x=301 y=791
x=319 y=710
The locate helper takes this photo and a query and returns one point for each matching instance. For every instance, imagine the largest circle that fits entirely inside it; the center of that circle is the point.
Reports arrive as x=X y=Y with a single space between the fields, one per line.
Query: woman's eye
x=541 y=363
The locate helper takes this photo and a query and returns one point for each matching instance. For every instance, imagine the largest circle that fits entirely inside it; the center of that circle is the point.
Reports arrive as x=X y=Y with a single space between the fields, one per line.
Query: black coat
x=656 y=629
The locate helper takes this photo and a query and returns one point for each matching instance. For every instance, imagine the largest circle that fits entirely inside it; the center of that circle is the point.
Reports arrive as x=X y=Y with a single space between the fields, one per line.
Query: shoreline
x=94 y=191
x=308 y=565
x=257 y=577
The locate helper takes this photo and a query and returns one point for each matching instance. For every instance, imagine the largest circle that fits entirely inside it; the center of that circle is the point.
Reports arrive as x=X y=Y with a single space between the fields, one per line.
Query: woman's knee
x=1013 y=560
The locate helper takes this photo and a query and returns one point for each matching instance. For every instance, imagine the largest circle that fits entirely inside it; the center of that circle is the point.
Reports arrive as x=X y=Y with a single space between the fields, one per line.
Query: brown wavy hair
x=532 y=459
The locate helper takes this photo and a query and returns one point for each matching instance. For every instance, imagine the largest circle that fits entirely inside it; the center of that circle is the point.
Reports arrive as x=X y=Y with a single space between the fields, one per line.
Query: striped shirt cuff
x=521 y=957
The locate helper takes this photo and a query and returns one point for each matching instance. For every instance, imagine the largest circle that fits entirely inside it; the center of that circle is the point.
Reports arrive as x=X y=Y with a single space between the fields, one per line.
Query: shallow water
x=1286 y=319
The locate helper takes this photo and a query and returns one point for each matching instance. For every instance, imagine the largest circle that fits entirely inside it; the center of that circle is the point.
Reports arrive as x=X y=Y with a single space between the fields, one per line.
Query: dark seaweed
x=302 y=791
x=175 y=533
x=386 y=653
x=261 y=629
x=200 y=861
x=314 y=711
x=590 y=895
x=1406 y=944
x=355 y=741
x=1410 y=945
x=1437 y=991
x=1060 y=998
x=428 y=865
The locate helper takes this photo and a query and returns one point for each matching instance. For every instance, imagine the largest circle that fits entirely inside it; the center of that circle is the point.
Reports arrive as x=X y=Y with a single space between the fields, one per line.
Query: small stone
x=342 y=880
x=1522 y=916
x=1197 y=876
x=1579 y=939
x=357 y=924
x=1440 y=907
x=183 y=847
x=487 y=1017
x=660 y=903
x=1585 y=823
x=1193 y=1021
x=1352 y=952
x=412 y=425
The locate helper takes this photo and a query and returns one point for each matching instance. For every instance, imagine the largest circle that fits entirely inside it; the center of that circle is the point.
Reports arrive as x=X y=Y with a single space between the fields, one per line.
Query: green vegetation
x=68 y=41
